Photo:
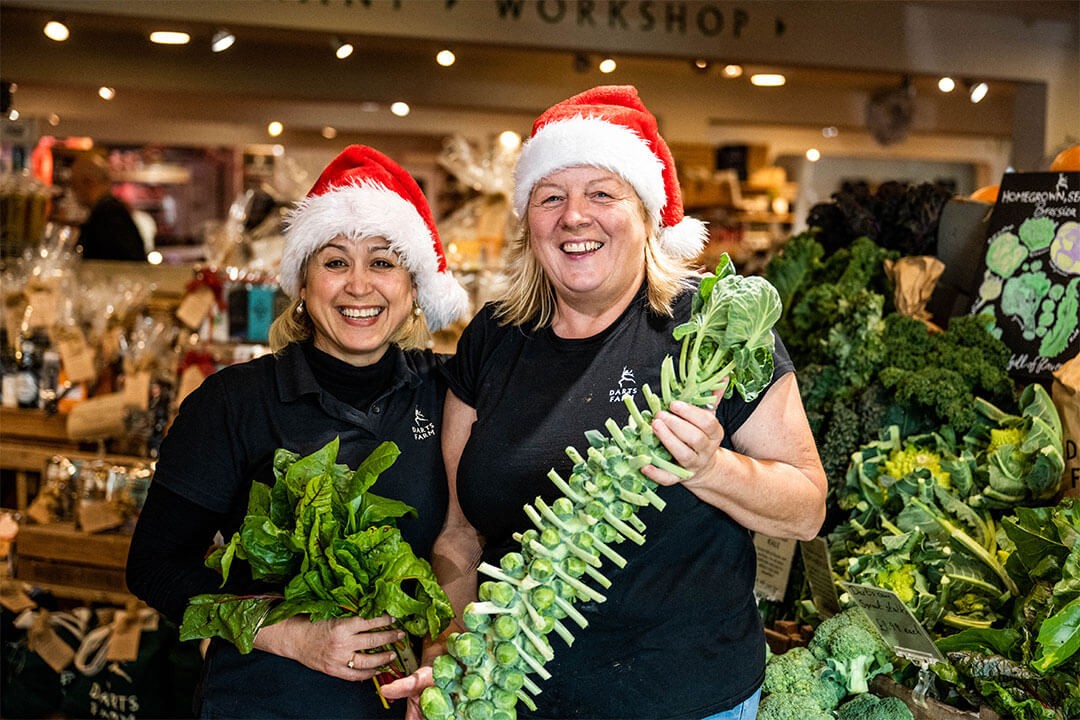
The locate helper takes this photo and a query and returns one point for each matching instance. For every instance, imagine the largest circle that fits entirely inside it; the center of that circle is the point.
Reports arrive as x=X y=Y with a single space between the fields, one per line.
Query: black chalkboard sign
x=1031 y=271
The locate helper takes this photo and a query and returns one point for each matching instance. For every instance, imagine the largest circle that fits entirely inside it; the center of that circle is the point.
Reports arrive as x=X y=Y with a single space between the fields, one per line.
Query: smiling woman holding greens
x=365 y=269
x=599 y=277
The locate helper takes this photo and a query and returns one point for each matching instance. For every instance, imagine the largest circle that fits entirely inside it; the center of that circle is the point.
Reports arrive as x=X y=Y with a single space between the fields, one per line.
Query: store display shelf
x=61 y=558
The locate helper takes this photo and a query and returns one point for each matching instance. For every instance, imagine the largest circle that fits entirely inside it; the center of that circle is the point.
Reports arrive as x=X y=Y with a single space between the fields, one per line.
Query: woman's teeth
x=582 y=247
x=357 y=313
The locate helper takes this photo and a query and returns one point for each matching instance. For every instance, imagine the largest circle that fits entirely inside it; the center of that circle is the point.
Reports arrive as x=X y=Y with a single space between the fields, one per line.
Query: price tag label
x=818 y=568
x=906 y=635
x=77 y=357
x=195 y=307
x=774 y=556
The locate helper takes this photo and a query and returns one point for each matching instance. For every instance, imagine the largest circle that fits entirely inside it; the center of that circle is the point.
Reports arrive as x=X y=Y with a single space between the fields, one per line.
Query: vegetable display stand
x=933 y=709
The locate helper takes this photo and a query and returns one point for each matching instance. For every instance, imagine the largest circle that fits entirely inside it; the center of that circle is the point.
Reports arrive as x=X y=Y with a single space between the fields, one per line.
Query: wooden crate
x=59 y=555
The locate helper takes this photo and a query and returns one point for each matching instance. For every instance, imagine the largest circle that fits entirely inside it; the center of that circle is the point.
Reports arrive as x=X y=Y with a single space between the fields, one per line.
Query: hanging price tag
x=898 y=627
x=774 y=556
x=818 y=568
x=76 y=356
x=195 y=306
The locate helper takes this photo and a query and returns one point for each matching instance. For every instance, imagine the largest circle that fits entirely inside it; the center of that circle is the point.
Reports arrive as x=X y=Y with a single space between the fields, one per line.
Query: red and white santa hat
x=609 y=127
x=363 y=193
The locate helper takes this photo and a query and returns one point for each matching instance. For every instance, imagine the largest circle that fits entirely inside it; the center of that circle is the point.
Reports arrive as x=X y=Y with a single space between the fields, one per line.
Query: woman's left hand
x=692 y=435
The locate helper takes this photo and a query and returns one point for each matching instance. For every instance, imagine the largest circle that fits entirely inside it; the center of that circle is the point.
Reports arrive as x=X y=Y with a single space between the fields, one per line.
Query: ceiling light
x=978 y=91
x=154 y=257
x=222 y=41
x=509 y=140
x=54 y=119
x=329 y=132
x=169 y=37
x=768 y=79
x=701 y=64
x=829 y=132
x=946 y=84
x=274 y=129
x=401 y=109
x=106 y=93
x=813 y=154
x=732 y=71
x=607 y=65
x=13 y=115
x=342 y=49
x=446 y=58
x=57 y=30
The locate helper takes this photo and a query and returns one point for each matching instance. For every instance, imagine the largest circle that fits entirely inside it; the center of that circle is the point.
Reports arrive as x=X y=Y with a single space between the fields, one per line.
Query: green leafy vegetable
x=333 y=544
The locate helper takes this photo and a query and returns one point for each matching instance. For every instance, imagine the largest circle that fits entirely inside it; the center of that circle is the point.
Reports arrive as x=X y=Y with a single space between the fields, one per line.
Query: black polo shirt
x=225 y=437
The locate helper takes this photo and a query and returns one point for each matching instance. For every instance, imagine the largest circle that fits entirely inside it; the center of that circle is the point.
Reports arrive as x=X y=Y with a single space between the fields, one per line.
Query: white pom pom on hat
x=363 y=193
x=609 y=127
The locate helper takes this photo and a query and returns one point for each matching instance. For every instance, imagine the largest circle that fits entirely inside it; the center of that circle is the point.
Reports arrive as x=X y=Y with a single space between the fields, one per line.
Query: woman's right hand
x=336 y=647
x=410 y=687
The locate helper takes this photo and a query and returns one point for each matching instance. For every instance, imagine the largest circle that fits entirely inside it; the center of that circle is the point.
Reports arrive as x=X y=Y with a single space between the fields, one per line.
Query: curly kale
x=897 y=216
x=800 y=672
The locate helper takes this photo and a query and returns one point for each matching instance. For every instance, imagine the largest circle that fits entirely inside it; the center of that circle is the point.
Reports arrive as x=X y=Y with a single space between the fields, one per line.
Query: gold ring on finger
x=352 y=661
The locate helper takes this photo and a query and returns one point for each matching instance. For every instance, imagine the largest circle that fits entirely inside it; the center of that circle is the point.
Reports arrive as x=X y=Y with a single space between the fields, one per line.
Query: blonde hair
x=295 y=325
x=530 y=297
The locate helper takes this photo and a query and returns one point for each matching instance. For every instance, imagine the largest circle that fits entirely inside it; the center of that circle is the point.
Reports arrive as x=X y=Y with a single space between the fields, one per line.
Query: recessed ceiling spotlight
x=401 y=109
x=106 y=93
x=701 y=64
x=54 y=119
x=607 y=65
x=329 y=132
x=813 y=154
x=222 y=41
x=13 y=115
x=446 y=58
x=274 y=129
x=732 y=71
x=767 y=79
x=57 y=30
x=342 y=49
x=978 y=91
x=946 y=84
x=169 y=37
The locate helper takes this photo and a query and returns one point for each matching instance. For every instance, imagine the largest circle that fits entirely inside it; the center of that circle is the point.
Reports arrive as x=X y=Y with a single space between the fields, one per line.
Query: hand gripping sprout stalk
x=532 y=592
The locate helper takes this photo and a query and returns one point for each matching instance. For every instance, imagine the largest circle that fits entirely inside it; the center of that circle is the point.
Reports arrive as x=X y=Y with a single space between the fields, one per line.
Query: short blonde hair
x=529 y=296
x=295 y=325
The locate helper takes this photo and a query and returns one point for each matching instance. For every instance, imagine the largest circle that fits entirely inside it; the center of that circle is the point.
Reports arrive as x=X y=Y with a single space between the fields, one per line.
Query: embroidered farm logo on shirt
x=422 y=427
x=627 y=386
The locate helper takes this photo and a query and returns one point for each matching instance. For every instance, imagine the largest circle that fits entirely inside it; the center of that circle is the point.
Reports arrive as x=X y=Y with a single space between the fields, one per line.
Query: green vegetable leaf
x=1059 y=637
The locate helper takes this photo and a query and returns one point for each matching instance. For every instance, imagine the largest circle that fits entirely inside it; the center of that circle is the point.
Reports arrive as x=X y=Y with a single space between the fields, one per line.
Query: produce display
x=332 y=543
x=944 y=475
x=727 y=343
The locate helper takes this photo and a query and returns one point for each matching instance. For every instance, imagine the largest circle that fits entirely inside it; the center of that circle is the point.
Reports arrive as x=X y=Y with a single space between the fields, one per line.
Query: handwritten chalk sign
x=774 y=556
x=818 y=568
x=1030 y=279
x=907 y=637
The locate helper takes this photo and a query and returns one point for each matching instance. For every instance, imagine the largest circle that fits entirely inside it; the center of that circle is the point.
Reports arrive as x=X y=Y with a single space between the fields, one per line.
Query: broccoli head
x=850 y=645
x=791 y=706
x=799 y=672
x=868 y=706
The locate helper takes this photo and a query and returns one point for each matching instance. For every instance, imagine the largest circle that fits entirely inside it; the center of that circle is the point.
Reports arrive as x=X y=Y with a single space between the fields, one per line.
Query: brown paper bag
x=1065 y=392
x=914 y=279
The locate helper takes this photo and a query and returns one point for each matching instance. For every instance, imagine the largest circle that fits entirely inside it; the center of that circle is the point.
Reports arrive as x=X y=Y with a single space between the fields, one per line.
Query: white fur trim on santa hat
x=591 y=140
x=371 y=210
x=686 y=239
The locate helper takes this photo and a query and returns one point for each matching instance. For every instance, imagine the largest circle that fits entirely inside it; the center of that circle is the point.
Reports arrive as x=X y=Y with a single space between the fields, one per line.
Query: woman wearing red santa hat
x=599 y=277
x=364 y=267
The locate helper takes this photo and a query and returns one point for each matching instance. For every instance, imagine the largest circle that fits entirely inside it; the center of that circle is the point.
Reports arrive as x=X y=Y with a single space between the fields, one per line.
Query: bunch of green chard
x=532 y=593
x=334 y=546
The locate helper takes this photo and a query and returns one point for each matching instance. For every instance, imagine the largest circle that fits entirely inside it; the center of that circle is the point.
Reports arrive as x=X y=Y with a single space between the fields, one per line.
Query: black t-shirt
x=225 y=437
x=679 y=634
x=109 y=233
